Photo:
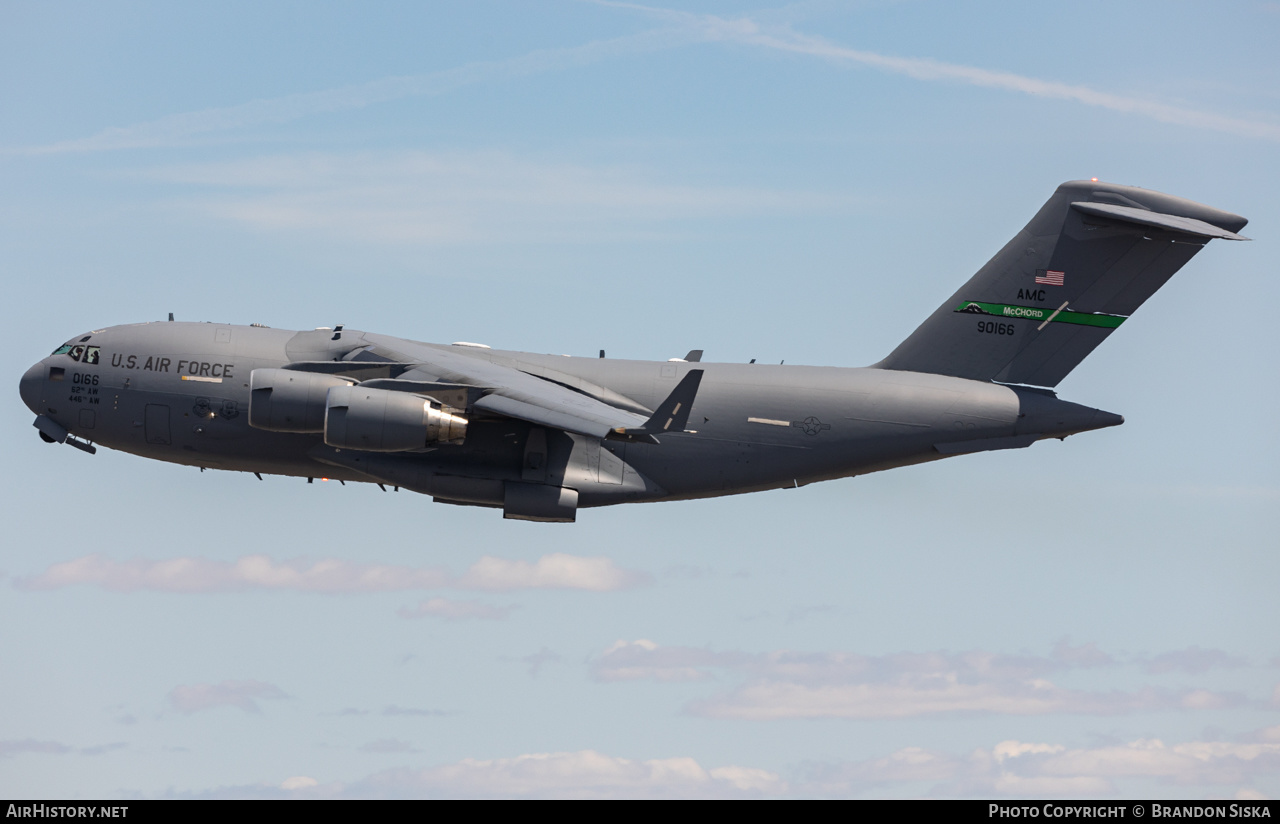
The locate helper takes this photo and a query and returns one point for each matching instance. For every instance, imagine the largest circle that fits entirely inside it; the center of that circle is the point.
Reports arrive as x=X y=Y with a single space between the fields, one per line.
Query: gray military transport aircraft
x=541 y=435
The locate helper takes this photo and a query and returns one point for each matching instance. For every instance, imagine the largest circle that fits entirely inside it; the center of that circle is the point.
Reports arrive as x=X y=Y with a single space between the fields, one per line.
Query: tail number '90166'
x=992 y=328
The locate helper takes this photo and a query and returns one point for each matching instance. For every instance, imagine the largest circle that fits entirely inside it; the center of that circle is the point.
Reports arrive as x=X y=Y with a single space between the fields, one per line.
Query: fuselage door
x=157 y=423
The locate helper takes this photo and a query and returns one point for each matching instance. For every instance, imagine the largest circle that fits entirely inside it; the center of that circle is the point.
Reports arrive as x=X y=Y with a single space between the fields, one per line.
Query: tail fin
x=1084 y=263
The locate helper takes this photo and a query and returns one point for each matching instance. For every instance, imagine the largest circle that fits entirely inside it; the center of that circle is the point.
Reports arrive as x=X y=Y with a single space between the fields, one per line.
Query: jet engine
x=285 y=400
x=379 y=420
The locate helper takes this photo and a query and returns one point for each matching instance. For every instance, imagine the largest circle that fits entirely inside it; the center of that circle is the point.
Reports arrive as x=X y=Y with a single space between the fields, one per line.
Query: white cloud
x=781 y=700
x=643 y=660
x=1044 y=786
x=1013 y=749
x=554 y=571
x=789 y=685
x=8 y=749
x=1084 y=655
x=1022 y=769
x=908 y=765
x=580 y=774
x=1193 y=660
x=418 y=197
x=1212 y=762
x=11 y=748
x=103 y=749
x=1007 y=769
x=248 y=572
x=191 y=698
x=1250 y=795
x=540 y=659
x=258 y=572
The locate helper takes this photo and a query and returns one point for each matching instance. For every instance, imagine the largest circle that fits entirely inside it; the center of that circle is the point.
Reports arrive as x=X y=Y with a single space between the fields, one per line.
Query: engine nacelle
x=285 y=400
x=379 y=420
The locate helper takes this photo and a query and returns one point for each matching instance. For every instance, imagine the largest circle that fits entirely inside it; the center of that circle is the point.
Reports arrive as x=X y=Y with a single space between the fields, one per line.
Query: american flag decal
x=1050 y=277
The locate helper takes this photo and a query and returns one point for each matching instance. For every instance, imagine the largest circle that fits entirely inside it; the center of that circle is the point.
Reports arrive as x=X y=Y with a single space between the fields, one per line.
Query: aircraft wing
x=551 y=408
x=509 y=391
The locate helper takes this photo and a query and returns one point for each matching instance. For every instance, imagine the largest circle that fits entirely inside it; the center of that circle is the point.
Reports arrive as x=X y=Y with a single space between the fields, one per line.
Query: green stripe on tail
x=1040 y=313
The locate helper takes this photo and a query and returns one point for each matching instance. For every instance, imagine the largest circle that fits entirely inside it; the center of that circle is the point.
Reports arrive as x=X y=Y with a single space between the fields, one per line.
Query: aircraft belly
x=500 y=453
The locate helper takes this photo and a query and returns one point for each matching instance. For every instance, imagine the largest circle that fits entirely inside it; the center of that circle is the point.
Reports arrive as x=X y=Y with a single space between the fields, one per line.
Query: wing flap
x=579 y=421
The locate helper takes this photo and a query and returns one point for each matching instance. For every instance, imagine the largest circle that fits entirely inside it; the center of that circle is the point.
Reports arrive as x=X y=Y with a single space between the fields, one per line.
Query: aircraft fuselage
x=181 y=392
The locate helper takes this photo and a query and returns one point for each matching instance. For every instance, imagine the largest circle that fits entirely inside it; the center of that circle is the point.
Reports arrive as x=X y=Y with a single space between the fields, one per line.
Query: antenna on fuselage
x=171 y=317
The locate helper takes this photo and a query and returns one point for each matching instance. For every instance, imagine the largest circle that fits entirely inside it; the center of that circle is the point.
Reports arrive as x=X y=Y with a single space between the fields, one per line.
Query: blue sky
x=802 y=182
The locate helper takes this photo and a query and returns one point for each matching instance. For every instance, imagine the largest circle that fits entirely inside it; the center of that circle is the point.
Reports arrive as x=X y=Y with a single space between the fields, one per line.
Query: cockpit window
x=81 y=353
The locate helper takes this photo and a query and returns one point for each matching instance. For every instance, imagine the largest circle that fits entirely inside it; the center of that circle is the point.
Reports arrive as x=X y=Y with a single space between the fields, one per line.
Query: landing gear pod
x=285 y=400
x=379 y=420
x=540 y=502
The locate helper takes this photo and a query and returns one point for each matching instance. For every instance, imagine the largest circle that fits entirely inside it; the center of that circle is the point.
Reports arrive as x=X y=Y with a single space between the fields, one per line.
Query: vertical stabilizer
x=1087 y=260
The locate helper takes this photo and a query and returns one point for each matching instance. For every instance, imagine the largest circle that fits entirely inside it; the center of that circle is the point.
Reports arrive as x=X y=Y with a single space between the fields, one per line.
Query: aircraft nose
x=32 y=387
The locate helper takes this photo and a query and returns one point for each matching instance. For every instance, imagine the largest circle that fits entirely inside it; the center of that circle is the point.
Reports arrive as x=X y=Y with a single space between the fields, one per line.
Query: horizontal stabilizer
x=1144 y=217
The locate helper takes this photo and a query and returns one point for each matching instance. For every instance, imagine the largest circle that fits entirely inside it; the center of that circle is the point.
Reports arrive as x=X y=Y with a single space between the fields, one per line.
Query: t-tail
x=1087 y=260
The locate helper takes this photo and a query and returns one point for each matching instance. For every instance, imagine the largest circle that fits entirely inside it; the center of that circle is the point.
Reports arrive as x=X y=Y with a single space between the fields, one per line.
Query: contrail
x=749 y=32
x=684 y=29
x=178 y=127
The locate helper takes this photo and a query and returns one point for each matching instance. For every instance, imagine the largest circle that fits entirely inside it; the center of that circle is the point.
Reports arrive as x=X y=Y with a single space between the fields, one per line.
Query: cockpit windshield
x=80 y=353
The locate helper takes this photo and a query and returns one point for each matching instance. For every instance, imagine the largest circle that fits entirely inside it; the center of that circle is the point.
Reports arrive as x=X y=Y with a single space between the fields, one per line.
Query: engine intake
x=284 y=400
x=380 y=420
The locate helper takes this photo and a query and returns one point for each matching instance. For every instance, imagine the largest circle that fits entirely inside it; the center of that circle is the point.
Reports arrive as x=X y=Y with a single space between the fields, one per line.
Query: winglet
x=671 y=415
